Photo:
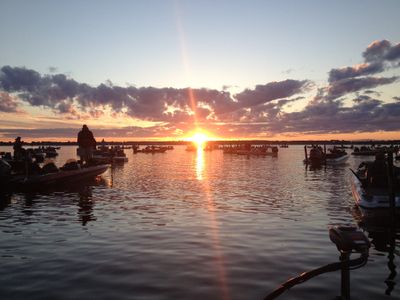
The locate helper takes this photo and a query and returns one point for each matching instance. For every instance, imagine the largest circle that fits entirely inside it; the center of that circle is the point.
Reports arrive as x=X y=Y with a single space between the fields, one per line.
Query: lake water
x=188 y=225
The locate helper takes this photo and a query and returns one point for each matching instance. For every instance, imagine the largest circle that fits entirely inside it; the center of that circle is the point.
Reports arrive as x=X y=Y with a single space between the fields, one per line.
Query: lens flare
x=199 y=139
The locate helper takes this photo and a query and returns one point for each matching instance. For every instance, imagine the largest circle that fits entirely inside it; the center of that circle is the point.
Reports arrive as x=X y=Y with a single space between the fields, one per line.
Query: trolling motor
x=348 y=240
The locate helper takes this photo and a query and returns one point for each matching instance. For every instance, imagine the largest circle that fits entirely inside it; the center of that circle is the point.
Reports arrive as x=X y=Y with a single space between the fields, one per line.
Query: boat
x=191 y=148
x=369 y=185
x=371 y=151
x=54 y=177
x=151 y=149
x=318 y=156
x=107 y=155
x=336 y=156
x=315 y=157
x=50 y=152
x=248 y=149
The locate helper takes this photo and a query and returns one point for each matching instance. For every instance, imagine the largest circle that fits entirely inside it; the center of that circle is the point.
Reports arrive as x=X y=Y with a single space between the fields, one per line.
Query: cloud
x=377 y=50
x=260 y=111
x=355 y=71
x=61 y=94
x=7 y=103
x=349 y=85
x=18 y=79
x=71 y=133
x=271 y=91
x=382 y=51
x=378 y=57
x=367 y=115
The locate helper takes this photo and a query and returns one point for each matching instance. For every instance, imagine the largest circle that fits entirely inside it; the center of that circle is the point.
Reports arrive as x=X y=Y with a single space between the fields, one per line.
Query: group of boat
x=151 y=149
x=319 y=156
x=38 y=154
x=248 y=149
x=374 y=150
x=108 y=155
x=372 y=185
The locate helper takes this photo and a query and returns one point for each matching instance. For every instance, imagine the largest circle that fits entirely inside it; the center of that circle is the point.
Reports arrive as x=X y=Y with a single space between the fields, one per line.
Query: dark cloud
x=379 y=56
x=355 y=71
x=349 y=85
x=7 y=103
x=367 y=115
x=147 y=103
x=377 y=50
x=271 y=91
x=71 y=133
x=52 y=69
x=259 y=111
x=382 y=51
x=371 y=92
x=18 y=79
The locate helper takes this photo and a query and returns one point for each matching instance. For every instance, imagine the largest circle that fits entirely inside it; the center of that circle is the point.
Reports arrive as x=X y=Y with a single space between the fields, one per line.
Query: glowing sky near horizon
x=222 y=46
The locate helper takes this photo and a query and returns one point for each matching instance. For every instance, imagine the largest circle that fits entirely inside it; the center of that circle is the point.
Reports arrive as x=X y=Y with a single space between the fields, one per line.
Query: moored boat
x=336 y=156
x=55 y=177
x=369 y=186
x=315 y=157
x=151 y=149
x=248 y=149
x=109 y=155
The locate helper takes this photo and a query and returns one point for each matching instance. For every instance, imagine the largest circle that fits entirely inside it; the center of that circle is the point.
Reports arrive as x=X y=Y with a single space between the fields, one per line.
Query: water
x=187 y=225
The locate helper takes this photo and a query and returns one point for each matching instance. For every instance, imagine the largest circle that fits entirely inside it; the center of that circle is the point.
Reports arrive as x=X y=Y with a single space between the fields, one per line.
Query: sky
x=163 y=69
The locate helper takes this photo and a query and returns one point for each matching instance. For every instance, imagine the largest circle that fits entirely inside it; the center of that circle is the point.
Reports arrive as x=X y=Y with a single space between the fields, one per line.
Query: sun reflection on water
x=219 y=257
x=199 y=163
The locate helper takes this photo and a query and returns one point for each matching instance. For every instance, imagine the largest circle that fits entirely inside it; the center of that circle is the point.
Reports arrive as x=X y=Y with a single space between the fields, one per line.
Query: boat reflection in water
x=384 y=234
x=32 y=200
x=86 y=204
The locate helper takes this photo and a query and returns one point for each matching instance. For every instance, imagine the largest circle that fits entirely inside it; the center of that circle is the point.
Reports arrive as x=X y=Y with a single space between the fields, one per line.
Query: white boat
x=369 y=187
x=337 y=160
x=371 y=197
x=336 y=156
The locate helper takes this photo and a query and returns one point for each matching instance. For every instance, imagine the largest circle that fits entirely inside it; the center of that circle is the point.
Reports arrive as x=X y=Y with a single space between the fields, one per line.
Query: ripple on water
x=166 y=226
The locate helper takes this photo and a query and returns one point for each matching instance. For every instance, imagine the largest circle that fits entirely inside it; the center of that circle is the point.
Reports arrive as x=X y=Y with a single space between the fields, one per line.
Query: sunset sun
x=199 y=139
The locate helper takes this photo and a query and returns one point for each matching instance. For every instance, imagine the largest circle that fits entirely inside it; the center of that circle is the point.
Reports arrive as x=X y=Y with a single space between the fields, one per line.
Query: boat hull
x=373 y=199
x=61 y=177
x=337 y=160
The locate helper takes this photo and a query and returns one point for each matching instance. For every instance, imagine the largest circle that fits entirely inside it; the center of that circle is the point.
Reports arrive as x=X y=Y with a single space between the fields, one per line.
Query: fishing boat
x=109 y=155
x=50 y=152
x=191 y=148
x=248 y=149
x=315 y=157
x=57 y=176
x=319 y=156
x=151 y=150
x=336 y=156
x=369 y=186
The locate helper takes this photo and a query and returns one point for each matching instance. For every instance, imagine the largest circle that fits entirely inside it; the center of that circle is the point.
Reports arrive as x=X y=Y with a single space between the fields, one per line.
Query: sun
x=199 y=139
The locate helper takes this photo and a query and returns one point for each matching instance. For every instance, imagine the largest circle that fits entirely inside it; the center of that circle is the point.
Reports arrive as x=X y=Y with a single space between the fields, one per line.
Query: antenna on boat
x=391 y=191
x=348 y=240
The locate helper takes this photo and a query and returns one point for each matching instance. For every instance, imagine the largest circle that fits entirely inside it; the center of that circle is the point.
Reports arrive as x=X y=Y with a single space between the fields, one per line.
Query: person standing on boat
x=18 y=150
x=86 y=143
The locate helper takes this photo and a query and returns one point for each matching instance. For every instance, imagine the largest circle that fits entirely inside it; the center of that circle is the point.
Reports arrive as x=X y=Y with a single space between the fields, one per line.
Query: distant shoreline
x=219 y=142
